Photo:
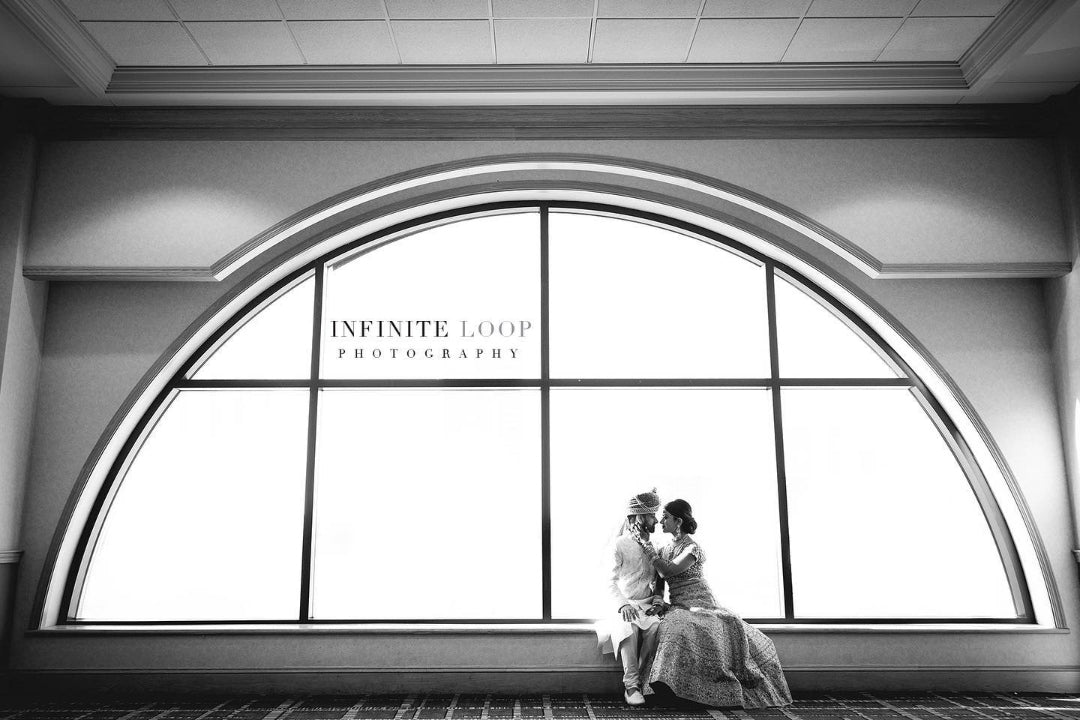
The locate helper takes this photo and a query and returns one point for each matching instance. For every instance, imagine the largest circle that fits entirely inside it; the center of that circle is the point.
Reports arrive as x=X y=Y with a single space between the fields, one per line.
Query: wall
x=926 y=201
x=162 y=204
x=22 y=308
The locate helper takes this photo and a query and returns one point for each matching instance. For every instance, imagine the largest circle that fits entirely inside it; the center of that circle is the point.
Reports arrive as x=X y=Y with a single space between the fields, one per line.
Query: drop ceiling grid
x=344 y=32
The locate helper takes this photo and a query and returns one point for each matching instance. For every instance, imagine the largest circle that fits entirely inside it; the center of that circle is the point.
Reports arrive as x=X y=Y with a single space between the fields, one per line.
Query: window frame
x=988 y=504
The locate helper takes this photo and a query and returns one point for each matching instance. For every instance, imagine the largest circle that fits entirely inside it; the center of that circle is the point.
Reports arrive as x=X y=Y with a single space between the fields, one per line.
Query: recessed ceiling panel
x=345 y=43
x=437 y=9
x=755 y=8
x=250 y=43
x=564 y=40
x=231 y=10
x=742 y=41
x=542 y=8
x=648 y=8
x=860 y=8
x=934 y=39
x=146 y=43
x=425 y=42
x=332 y=9
x=841 y=39
x=120 y=9
x=958 y=7
x=642 y=41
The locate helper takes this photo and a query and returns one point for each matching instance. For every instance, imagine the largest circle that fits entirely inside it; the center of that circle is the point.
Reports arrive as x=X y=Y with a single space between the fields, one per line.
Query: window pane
x=711 y=447
x=883 y=521
x=471 y=290
x=633 y=300
x=428 y=504
x=814 y=342
x=274 y=343
x=208 y=522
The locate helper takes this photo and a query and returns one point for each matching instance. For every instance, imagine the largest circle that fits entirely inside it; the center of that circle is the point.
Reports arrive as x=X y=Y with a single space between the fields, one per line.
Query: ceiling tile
x=438 y=9
x=755 y=8
x=648 y=8
x=332 y=9
x=345 y=42
x=841 y=39
x=641 y=41
x=146 y=43
x=542 y=41
x=231 y=10
x=958 y=7
x=742 y=41
x=860 y=8
x=120 y=9
x=542 y=8
x=942 y=39
x=444 y=41
x=246 y=43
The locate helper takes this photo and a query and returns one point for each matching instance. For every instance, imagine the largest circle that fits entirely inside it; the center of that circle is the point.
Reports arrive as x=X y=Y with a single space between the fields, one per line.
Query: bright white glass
x=273 y=343
x=883 y=521
x=629 y=299
x=428 y=504
x=814 y=342
x=207 y=524
x=711 y=447
x=467 y=273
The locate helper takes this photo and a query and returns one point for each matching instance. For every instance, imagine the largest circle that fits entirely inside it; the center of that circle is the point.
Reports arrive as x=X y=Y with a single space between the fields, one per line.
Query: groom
x=637 y=595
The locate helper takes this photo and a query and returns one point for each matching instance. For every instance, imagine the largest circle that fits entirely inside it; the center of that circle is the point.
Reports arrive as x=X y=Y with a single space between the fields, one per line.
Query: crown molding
x=59 y=31
x=533 y=79
x=676 y=122
x=93 y=70
x=1001 y=39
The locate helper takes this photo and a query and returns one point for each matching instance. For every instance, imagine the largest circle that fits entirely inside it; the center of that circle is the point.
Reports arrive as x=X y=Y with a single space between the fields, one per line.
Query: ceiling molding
x=93 y=70
x=59 y=31
x=498 y=79
x=685 y=122
x=1001 y=39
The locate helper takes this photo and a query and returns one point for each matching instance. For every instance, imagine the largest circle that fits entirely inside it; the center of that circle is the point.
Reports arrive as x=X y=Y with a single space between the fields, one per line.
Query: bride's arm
x=666 y=568
x=669 y=568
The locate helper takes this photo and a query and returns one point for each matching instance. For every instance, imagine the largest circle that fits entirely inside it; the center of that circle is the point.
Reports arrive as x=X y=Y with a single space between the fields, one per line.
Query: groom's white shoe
x=633 y=696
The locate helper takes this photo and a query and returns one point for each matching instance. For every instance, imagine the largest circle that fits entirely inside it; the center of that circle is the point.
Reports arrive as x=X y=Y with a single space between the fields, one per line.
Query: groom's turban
x=644 y=503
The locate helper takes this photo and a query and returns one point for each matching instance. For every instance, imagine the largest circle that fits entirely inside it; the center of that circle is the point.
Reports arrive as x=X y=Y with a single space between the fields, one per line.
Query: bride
x=706 y=653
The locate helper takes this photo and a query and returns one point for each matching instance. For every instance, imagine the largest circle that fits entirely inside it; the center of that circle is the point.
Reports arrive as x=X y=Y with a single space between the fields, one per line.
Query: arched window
x=443 y=423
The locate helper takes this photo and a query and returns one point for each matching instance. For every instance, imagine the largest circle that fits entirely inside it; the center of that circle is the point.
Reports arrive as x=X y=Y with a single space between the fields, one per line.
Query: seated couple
x=690 y=646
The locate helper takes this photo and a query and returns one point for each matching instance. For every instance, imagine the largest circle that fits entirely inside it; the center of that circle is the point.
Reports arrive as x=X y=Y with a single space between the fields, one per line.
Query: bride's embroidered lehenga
x=705 y=652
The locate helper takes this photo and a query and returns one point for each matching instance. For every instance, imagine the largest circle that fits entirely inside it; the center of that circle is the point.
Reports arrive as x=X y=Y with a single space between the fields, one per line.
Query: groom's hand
x=629 y=613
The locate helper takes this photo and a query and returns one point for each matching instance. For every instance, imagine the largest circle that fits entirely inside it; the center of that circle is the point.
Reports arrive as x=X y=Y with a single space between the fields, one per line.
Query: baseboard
x=585 y=679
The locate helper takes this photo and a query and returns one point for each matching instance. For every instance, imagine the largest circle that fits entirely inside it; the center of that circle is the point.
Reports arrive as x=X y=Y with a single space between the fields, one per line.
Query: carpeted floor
x=912 y=706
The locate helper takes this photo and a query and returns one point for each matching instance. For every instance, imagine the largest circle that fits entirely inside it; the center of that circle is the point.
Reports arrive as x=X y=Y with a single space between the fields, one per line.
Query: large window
x=444 y=423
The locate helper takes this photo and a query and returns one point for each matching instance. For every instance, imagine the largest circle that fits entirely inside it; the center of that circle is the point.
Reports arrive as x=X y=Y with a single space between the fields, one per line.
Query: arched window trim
x=705 y=228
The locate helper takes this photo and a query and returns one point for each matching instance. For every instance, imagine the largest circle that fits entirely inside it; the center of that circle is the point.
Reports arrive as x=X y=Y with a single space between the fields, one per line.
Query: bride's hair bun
x=682 y=510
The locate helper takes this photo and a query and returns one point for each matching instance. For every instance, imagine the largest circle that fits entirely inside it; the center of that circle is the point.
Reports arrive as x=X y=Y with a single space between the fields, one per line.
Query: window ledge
x=509 y=629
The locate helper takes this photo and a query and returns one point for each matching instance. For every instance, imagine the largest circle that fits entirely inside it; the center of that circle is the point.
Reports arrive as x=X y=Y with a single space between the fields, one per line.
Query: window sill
x=511 y=629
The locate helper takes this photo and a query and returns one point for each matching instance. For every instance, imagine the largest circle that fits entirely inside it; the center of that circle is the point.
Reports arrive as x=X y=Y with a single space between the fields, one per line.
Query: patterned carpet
x=929 y=706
